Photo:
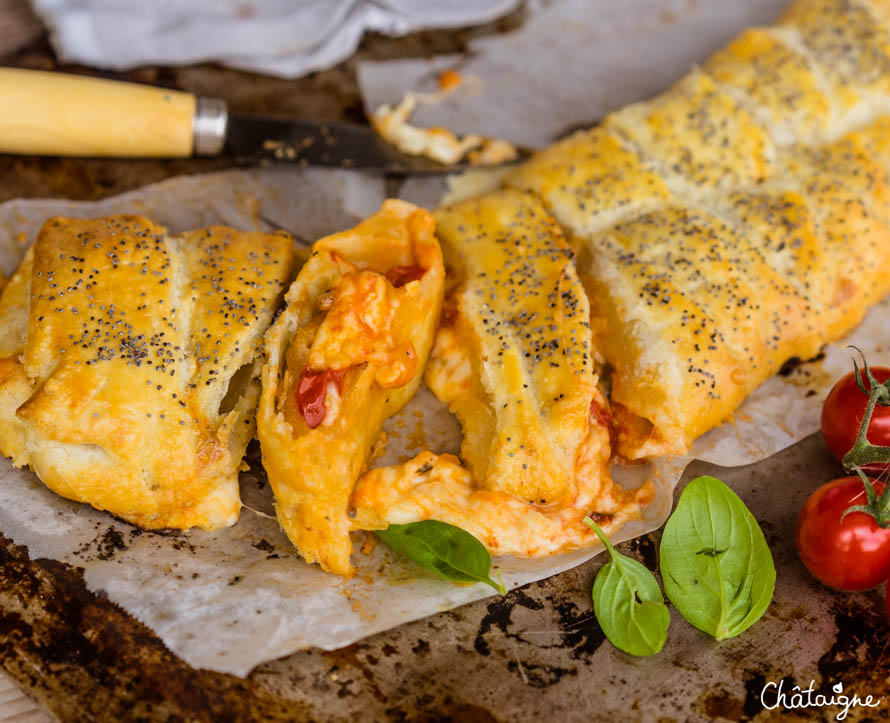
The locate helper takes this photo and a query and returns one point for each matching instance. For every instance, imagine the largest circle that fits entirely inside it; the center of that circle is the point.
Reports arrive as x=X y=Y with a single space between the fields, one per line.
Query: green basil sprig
x=450 y=552
x=716 y=566
x=628 y=603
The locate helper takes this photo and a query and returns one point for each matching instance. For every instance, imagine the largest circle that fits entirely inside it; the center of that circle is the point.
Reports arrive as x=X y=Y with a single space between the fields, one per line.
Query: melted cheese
x=437 y=143
x=362 y=327
x=437 y=487
x=332 y=403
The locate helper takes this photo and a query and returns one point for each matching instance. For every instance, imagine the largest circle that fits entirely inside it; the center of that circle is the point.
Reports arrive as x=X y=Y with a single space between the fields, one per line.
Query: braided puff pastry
x=513 y=361
x=128 y=364
x=738 y=220
x=347 y=353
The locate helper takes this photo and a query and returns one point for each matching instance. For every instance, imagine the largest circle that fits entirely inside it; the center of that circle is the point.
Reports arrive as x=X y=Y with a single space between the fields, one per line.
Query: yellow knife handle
x=53 y=114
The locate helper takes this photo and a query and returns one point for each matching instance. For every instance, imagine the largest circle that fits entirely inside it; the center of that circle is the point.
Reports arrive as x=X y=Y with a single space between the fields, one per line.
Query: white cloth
x=287 y=38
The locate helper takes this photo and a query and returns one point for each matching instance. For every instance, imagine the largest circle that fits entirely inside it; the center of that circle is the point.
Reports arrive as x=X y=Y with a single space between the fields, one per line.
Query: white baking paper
x=231 y=599
x=570 y=63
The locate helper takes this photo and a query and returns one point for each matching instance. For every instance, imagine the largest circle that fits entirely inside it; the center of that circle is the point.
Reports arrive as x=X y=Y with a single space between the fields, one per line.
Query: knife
x=54 y=114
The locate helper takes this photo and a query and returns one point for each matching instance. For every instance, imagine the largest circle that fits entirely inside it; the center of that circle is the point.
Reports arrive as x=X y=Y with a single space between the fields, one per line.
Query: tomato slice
x=312 y=391
x=600 y=412
x=401 y=275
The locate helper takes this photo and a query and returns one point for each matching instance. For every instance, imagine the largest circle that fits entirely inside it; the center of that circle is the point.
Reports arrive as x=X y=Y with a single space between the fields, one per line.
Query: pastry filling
x=361 y=327
x=400 y=275
x=358 y=328
x=313 y=390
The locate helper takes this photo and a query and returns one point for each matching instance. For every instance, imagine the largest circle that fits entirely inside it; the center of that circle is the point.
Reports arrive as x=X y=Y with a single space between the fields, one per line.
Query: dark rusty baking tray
x=536 y=653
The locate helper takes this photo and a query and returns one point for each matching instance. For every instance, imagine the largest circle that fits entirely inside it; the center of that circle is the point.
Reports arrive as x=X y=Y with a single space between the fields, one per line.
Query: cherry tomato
x=842 y=414
x=311 y=393
x=401 y=275
x=849 y=555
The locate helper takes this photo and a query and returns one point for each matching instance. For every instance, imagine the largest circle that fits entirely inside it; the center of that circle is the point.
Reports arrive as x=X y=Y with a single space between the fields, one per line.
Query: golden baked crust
x=849 y=44
x=512 y=360
x=379 y=334
x=763 y=65
x=744 y=218
x=128 y=364
x=594 y=178
x=699 y=135
x=689 y=315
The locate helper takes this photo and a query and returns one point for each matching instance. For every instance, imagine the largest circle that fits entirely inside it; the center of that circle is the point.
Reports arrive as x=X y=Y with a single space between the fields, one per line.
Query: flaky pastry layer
x=129 y=364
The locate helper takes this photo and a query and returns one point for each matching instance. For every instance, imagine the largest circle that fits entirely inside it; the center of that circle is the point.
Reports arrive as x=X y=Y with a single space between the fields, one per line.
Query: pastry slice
x=347 y=353
x=513 y=361
x=129 y=364
x=691 y=316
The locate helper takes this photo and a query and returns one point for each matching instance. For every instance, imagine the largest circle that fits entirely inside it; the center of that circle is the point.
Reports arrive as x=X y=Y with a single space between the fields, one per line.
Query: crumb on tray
x=439 y=143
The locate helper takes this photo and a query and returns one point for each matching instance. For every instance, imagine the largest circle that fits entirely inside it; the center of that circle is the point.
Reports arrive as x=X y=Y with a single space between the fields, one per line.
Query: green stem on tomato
x=863 y=452
x=877 y=507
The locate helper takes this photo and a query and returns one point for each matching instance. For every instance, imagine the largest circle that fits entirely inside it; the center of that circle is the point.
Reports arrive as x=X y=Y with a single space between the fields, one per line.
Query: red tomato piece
x=401 y=275
x=600 y=412
x=311 y=393
x=853 y=554
x=842 y=415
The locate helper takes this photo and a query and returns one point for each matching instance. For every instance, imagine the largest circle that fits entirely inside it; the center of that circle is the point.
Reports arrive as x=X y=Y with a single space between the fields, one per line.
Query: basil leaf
x=450 y=552
x=716 y=566
x=628 y=603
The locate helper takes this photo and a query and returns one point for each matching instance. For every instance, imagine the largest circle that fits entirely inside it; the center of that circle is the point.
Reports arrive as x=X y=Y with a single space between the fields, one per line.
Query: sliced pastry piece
x=850 y=42
x=129 y=364
x=348 y=352
x=513 y=361
x=690 y=316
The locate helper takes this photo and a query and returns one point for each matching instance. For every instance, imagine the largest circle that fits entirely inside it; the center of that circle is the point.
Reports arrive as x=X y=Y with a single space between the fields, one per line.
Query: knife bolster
x=209 y=127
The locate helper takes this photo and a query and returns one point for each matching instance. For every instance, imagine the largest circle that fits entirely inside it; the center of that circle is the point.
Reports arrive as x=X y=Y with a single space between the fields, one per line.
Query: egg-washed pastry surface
x=347 y=353
x=513 y=361
x=129 y=363
x=738 y=220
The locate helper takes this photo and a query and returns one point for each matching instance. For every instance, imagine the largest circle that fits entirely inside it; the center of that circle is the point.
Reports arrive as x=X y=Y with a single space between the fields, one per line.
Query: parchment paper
x=230 y=599
x=570 y=63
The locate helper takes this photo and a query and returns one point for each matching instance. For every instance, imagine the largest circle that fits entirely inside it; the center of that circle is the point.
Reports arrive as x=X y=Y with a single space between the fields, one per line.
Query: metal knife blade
x=267 y=139
x=54 y=114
